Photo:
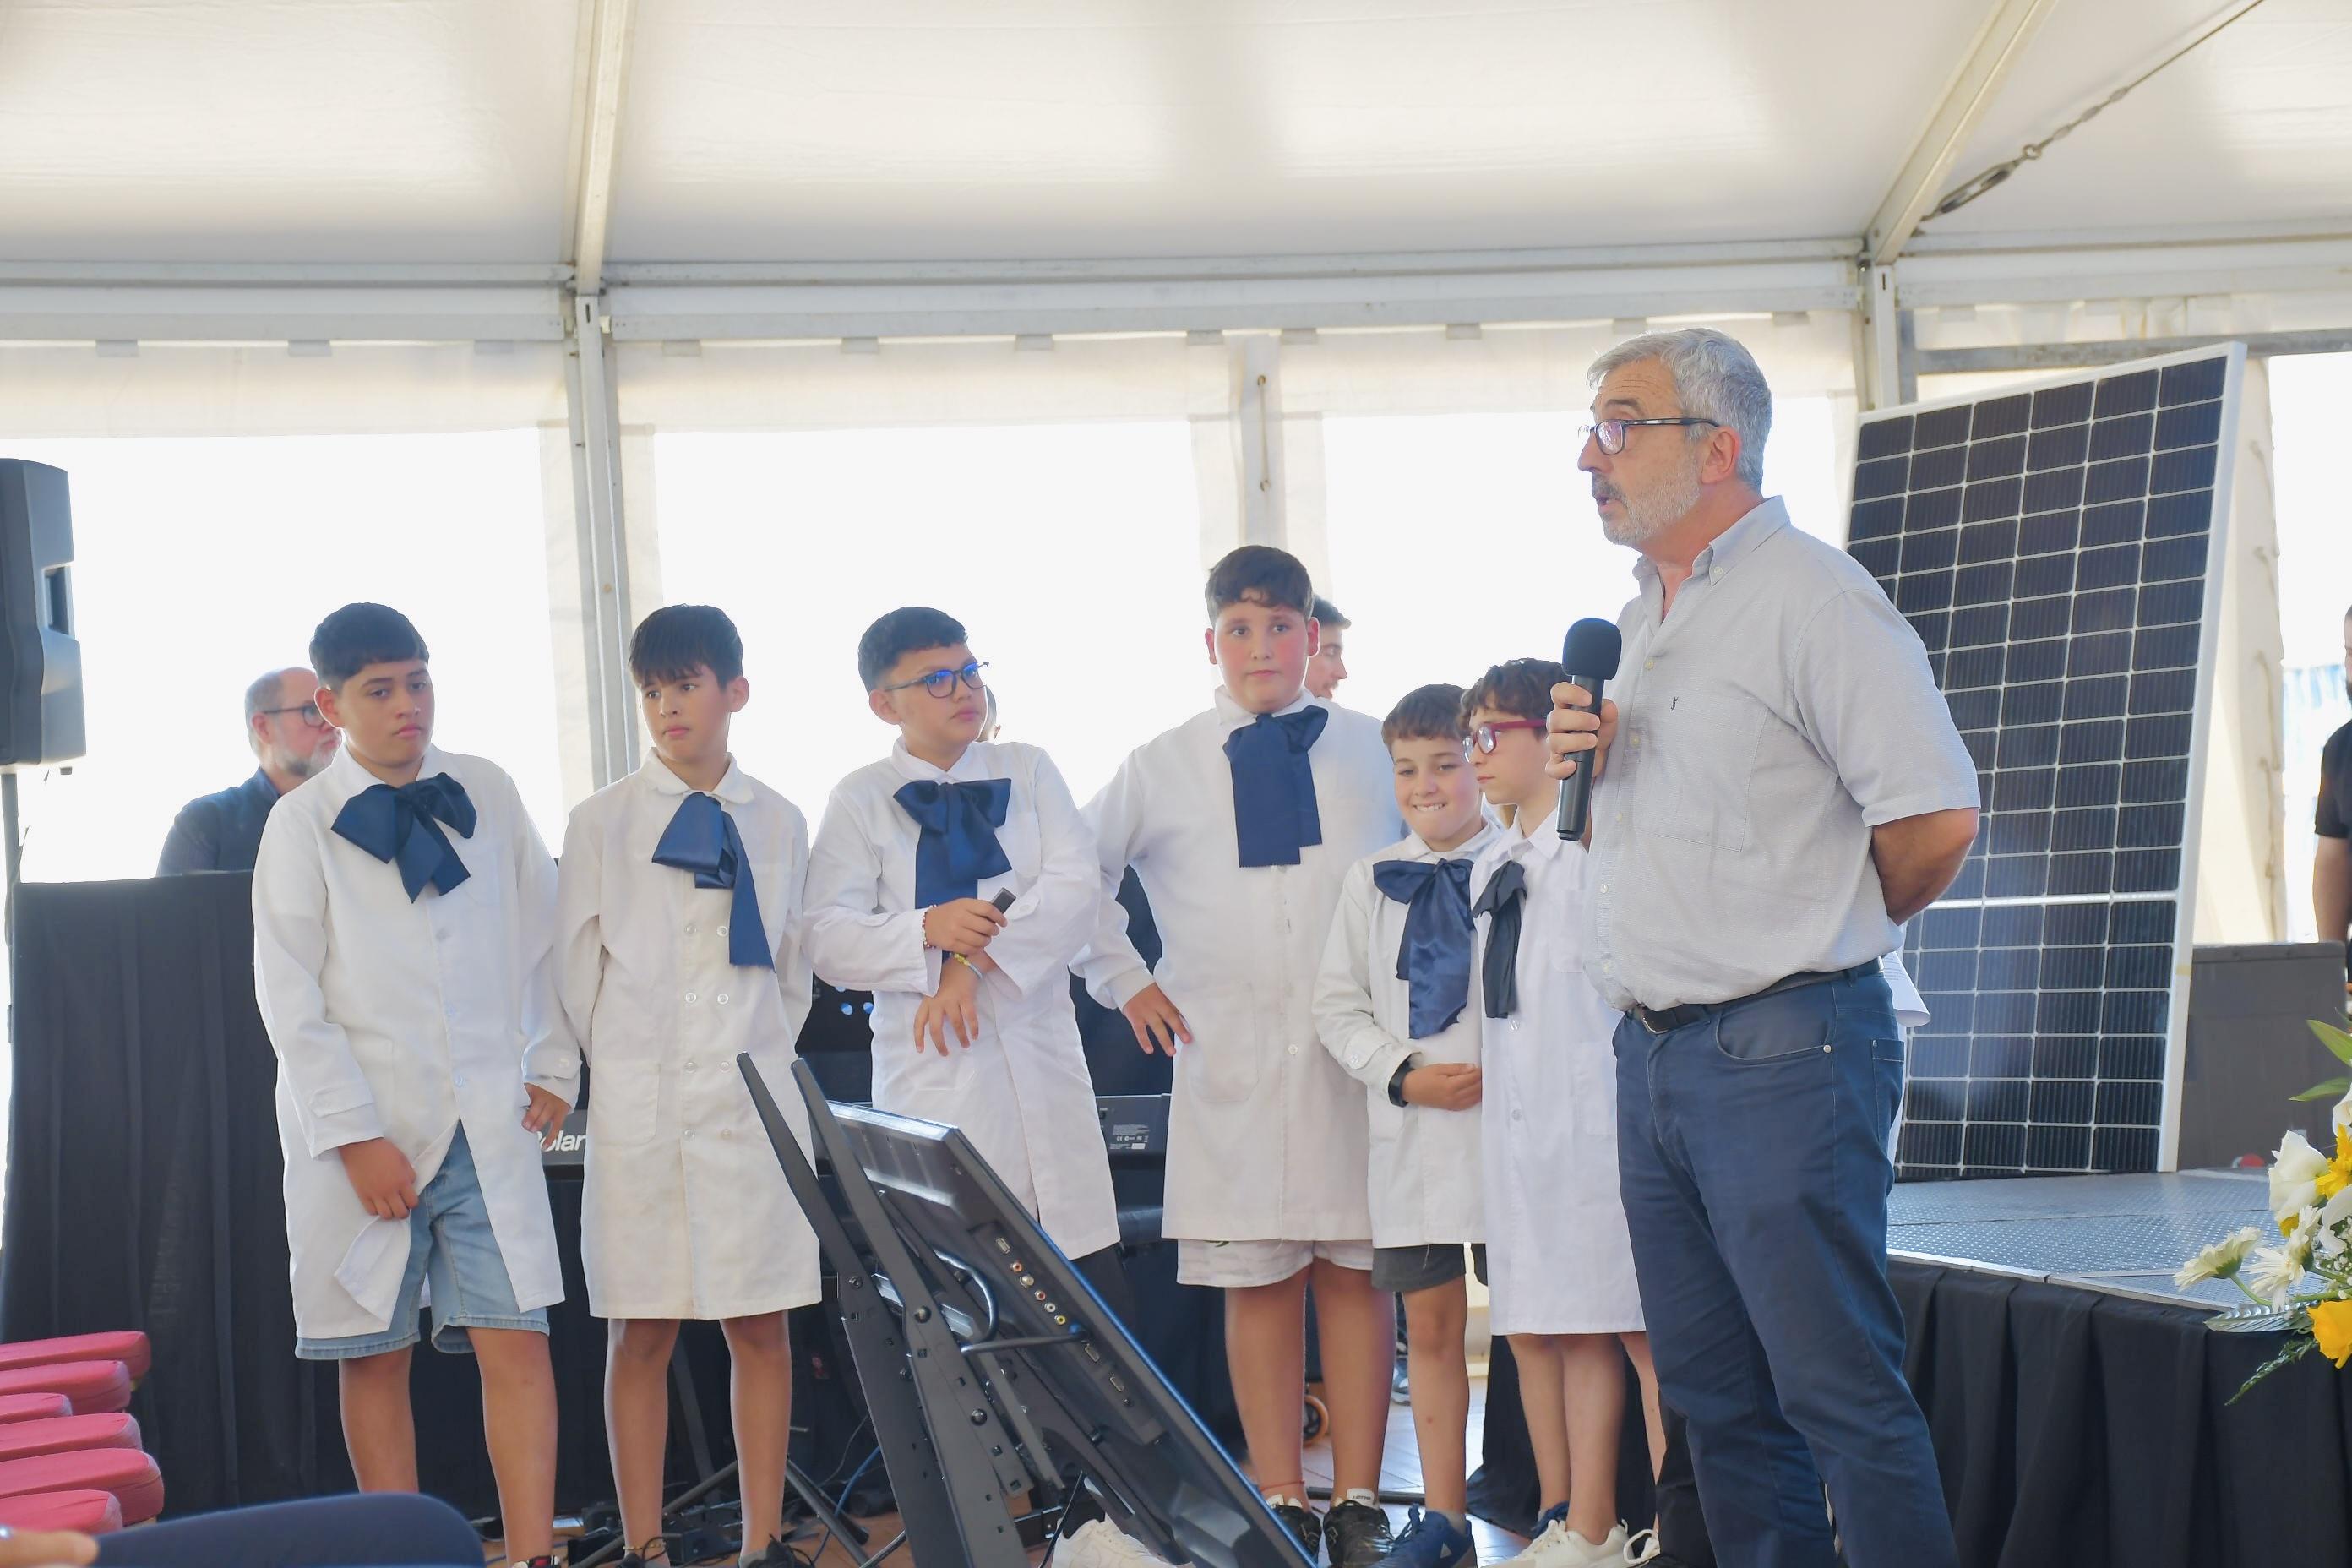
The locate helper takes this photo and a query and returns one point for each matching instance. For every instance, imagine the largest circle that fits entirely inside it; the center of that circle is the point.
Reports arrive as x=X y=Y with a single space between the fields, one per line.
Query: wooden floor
x=1400 y=1472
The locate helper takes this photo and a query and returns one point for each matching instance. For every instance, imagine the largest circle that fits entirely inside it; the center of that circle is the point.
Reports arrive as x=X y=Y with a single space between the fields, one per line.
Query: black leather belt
x=1667 y=1020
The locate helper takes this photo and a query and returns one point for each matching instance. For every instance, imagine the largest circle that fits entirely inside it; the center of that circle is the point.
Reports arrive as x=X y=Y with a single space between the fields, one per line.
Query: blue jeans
x=1752 y=1156
x=374 y=1530
x=450 y=1243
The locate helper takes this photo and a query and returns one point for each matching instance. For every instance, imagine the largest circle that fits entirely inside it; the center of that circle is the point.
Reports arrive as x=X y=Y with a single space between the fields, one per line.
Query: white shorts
x=1239 y=1265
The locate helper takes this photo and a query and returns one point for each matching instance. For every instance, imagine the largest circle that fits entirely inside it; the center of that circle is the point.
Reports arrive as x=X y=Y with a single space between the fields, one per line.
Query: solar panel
x=2058 y=550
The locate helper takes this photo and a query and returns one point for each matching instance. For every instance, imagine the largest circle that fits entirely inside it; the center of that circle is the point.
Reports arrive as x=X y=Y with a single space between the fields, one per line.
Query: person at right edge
x=1776 y=787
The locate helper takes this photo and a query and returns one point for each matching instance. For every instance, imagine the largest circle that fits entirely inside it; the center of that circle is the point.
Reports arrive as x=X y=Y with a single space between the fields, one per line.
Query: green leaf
x=2333 y=1089
x=2338 y=1043
x=2295 y=1349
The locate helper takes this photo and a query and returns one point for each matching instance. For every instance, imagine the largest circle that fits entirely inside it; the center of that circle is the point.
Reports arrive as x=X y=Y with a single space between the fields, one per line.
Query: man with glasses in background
x=222 y=832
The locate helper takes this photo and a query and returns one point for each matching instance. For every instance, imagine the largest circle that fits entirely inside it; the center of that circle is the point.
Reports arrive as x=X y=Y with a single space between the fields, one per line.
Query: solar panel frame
x=2049 y=504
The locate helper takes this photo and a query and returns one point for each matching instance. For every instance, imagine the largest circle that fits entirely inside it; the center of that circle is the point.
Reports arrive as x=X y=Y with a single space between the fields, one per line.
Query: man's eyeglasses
x=1611 y=433
x=942 y=682
x=310 y=711
x=1490 y=736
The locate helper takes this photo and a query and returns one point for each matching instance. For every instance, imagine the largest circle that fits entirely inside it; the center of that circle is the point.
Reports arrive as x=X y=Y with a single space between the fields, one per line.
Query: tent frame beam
x=2009 y=26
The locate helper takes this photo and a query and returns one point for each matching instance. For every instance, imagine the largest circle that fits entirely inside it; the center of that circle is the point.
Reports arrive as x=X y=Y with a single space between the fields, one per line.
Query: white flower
x=2295 y=1170
x=2273 y=1274
x=2335 y=1221
x=2341 y=1118
x=2220 y=1261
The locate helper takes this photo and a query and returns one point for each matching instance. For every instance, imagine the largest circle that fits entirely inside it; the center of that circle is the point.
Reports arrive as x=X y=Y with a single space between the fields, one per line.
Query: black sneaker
x=1358 y=1533
x=775 y=1555
x=653 y=1553
x=1304 y=1523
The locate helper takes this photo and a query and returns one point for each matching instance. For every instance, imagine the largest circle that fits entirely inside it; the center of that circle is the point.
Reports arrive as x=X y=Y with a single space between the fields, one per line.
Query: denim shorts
x=450 y=1243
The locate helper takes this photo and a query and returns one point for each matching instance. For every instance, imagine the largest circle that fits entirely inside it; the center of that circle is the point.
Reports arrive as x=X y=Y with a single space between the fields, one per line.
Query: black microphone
x=1590 y=653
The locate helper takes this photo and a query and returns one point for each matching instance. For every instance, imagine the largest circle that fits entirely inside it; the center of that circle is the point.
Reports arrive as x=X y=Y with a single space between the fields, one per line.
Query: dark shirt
x=219 y=832
x=2336 y=787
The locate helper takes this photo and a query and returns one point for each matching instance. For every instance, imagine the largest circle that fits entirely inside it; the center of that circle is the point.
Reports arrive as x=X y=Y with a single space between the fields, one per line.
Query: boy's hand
x=1443 y=1086
x=1157 y=1024
x=546 y=1114
x=950 y=1006
x=1572 y=730
x=382 y=1176
x=962 y=925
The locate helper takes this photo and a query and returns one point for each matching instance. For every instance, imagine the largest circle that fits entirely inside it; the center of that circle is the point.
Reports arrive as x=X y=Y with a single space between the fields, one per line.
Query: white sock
x=1358 y=1494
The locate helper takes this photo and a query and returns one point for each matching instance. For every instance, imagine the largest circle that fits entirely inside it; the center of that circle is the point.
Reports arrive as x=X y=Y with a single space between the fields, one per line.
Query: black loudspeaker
x=40 y=662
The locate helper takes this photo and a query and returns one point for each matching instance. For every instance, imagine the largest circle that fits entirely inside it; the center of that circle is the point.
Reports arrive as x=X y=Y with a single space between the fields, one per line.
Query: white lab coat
x=402 y=1020
x=685 y=1213
x=1425 y=1183
x=1266 y=1138
x=1560 y=1258
x=1021 y=1092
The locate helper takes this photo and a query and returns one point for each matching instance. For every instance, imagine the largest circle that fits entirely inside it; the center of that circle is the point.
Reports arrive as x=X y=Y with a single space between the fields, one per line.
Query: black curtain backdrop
x=142 y=1192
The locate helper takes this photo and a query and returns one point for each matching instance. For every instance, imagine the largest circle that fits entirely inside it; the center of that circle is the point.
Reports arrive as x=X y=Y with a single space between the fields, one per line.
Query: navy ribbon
x=703 y=839
x=1275 y=814
x=1505 y=899
x=959 y=844
x=396 y=823
x=1434 y=959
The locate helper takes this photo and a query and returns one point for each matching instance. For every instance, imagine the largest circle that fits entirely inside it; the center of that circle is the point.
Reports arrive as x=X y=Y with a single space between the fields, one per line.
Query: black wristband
x=1396 y=1082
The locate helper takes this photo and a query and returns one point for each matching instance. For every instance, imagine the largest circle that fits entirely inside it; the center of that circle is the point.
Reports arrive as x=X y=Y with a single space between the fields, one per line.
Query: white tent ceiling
x=446 y=130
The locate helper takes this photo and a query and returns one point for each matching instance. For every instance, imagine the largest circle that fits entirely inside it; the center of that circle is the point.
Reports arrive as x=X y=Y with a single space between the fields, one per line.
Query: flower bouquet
x=2303 y=1284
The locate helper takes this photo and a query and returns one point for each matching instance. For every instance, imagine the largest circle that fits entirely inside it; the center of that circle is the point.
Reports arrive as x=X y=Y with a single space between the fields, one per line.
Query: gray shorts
x=1406 y=1270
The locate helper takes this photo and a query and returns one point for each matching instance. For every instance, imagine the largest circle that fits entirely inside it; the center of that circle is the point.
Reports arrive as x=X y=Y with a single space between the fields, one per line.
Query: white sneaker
x=1561 y=1547
x=1640 y=1547
x=1097 y=1543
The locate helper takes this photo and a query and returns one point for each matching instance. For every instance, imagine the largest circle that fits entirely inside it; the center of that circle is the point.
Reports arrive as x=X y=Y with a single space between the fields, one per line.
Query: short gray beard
x=300 y=767
x=1645 y=517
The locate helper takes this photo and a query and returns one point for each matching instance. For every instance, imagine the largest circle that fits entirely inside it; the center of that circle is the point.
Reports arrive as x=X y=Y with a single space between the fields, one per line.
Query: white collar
x=973 y=764
x=1468 y=849
x=1232 y=715
x=734 y=788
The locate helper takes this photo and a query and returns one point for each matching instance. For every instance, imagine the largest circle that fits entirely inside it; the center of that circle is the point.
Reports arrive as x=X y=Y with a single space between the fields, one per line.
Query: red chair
x=17 y=1407
x=91 y=1512
x=30 y=1439
x=129 y=1474
x=127 y=1346
x=92 y=1386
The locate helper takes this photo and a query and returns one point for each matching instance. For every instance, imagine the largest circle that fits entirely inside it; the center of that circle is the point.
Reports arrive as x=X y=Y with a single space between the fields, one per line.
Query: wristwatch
x=1396 y=1080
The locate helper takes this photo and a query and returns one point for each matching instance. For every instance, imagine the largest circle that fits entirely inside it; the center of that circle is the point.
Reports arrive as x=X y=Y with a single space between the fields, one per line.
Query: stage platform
x=2121 y=1234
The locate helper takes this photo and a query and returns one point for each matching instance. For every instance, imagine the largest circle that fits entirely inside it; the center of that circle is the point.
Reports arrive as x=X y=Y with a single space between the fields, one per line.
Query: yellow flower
x=2338 y=1174
x=2331 y=1325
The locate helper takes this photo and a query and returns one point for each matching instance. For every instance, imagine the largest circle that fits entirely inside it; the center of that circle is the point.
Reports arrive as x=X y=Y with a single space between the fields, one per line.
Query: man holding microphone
x=1776 y=787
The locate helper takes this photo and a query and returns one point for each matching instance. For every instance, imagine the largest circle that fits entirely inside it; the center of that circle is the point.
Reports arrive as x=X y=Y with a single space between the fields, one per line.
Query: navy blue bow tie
x=1505 y=900
x=959 y=844
x=1275 y=814
x=703 y=839
x=396 y=824
x=1433 y=961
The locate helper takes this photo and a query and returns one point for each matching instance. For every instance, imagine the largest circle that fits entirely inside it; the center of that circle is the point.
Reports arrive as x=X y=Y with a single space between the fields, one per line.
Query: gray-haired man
x=221 y=831
x=1779 y=786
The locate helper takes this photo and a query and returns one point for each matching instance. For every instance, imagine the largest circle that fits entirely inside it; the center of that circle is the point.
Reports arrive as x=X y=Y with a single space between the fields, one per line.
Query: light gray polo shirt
x=1765 y=727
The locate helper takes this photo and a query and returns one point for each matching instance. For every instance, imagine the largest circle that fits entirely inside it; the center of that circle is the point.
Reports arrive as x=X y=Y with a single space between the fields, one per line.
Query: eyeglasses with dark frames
x=1611 y=433
x=310 y=711
x=942 y=682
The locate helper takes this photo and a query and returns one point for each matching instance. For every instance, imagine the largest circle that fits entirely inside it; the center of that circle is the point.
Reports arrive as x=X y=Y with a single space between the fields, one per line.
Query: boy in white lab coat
x=1393 y=1007
x=973 y=1025
x=403 y=912
x=1561 y=1259
x=1242 y=823
x=679 y=907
